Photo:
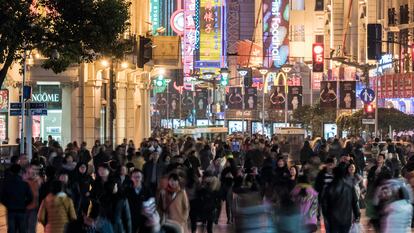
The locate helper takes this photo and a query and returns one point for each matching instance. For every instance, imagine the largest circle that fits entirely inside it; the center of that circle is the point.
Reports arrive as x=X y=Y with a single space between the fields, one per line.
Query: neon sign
x=210 y=30
x=189 y=40
x=155 y=12
x=275 y=32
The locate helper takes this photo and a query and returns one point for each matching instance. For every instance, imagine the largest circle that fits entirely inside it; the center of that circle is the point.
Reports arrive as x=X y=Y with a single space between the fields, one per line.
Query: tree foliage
x=76 y=30
x=313 y=117
x=398 y=120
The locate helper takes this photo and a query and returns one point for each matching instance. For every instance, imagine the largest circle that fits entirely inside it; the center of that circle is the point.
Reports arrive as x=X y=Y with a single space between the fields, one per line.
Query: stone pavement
x=222 y=227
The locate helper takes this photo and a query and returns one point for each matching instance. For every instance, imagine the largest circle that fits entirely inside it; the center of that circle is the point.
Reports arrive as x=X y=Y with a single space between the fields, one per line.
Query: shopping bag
x=356 y=228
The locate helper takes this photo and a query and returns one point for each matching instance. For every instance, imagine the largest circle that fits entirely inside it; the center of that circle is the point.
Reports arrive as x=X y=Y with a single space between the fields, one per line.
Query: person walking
x=136 y=195
x=340 y=204
x=56 y=210
x=32 y=178
x=173 y=203
x=306 y=198
x=16 y=196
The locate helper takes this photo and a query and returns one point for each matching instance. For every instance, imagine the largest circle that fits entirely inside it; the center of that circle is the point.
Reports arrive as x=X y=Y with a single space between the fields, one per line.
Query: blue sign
x=207 y=64
x=367 y=95
x=32 y=105
x=33 y=112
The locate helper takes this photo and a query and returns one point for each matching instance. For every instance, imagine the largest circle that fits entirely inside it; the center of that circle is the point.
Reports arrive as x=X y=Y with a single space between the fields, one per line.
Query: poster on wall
x=295 y=97
x=347 y=92
x=236 y=126
x=234 y=98
x=277 y=97
x=4 y=100
x=3 y=127
x=201 y=103
x=275 y=32
x=328 y=97
x=250 y=98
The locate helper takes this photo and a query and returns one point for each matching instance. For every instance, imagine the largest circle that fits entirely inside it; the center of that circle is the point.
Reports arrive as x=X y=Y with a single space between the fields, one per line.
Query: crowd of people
x=175 y=184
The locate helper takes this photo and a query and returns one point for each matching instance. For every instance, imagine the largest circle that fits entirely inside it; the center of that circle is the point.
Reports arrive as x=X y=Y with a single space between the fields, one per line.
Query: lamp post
x=242 y=73
x=263 y=71
x=167 y=81
x=286 y=69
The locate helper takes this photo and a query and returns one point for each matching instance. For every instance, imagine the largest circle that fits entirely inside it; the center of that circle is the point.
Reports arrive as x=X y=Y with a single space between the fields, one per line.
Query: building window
x=298 y=5
x=319 y=39
x=319 y=5
x=298 y=33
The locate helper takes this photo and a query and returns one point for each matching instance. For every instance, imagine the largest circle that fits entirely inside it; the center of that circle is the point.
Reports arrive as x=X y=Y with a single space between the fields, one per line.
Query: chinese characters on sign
x=189 y=40
x=210 y=30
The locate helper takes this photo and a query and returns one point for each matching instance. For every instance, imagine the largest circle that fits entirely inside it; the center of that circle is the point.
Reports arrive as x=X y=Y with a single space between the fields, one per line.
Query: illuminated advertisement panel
x=275 y=32
x=189 y=40
x=155 y=15
x=210 y=30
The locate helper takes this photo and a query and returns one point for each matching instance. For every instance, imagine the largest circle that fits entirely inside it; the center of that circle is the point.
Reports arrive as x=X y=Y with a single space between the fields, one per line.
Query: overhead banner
x=210 y=32
x=201 y=103
x=187 y=103
x=347 y=90
x=295 y=97
x=234 y=98
x=328 y=95
x=250 y=98
x=275 y=32
x=174 y=100
x=277 y=97
x=161 y=104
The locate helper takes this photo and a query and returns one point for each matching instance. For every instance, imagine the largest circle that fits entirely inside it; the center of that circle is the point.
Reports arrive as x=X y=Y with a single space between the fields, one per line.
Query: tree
x=65 y=32
x=313 y=117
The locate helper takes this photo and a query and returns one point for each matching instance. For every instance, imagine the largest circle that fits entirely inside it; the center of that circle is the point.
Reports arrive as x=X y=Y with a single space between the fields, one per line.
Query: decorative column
x=121 y=99
x=66 y=113
x=133 y=101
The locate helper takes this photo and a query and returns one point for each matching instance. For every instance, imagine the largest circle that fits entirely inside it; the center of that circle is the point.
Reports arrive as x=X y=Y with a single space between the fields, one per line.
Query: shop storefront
x=51 y=124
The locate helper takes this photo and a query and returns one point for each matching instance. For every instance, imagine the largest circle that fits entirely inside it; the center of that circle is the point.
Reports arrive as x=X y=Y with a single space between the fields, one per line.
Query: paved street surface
x=222 y=227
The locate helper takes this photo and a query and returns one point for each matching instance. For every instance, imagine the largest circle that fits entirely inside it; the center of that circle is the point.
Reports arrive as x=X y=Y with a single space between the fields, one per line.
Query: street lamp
x=263 y=71
x=285 y=71
x=242 y=72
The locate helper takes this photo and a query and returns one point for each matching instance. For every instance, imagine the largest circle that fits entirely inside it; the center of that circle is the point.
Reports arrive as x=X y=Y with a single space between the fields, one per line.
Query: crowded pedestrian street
x=206 y=116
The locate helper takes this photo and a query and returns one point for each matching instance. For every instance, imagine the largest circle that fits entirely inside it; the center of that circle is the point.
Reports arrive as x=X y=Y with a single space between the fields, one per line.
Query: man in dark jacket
x=152 y=172
x=16 y=195
x=340 y=204
x=136 y=195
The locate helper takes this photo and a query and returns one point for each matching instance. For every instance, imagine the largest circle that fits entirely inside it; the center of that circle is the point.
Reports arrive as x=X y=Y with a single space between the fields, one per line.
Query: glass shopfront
x=51 y=124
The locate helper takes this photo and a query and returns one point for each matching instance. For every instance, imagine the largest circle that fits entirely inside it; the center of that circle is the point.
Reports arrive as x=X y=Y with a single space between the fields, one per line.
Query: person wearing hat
x=16 y=198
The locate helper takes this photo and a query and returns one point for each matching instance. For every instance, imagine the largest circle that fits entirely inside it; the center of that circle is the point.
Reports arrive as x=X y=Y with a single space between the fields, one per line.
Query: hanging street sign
x=367 y=95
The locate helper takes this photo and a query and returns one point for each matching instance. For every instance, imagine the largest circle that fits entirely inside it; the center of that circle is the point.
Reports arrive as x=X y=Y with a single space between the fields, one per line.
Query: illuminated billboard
x=211 y=33
x=189 y=40
x=275 y=32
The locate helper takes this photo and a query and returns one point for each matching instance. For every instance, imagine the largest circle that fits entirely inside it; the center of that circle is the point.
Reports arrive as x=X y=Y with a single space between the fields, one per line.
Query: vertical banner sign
x=328 y=95
x=161 y=104
x=294 y=97
x=201 y=103
x=250 y=98
x=189 y=40
x=174 y=99
x=275 y=32
x=187 y=103
x=347 y=92
x=210 y=30
x=277 y=98
x=234 y=98
x=155 y=15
